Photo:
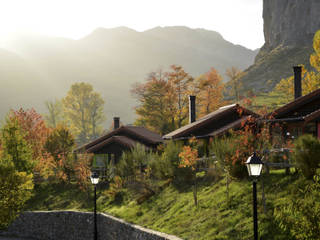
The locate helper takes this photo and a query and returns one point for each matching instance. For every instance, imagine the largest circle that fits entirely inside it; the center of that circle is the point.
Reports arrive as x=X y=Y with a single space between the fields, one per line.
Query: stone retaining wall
x=71 y=225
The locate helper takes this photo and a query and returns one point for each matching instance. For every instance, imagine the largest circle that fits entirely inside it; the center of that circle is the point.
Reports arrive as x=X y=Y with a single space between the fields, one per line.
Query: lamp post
x=95 y=180
x=254 y=165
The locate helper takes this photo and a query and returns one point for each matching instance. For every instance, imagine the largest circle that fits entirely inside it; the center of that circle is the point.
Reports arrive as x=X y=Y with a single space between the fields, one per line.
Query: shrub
x=299 y=213
x=15 y=147
x=306 y=155
x=115 y=190
x=133 y=162
x=228 y=157
x=15 y=189
x=166 y=165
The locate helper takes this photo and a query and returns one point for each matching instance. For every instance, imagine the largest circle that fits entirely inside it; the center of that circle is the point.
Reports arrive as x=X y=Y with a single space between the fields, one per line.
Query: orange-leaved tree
x=210 y=92
x=59 y=146
x=155 y=103
x=248 y=139
x=82 y=170
x=34 y=127
x=35 y=134
x=180 y=86
x=188 y=159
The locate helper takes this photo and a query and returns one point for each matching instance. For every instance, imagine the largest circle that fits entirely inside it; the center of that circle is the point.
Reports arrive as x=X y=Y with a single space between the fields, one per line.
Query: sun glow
x=76 y=18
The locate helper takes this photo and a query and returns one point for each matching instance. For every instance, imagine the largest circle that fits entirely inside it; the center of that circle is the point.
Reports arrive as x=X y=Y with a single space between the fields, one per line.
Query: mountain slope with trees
x=111 y=60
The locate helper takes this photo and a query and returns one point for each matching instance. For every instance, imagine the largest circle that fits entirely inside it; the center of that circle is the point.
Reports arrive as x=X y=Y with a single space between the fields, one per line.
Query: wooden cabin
x=109 y=147
x=214 y=124
x=301 y=116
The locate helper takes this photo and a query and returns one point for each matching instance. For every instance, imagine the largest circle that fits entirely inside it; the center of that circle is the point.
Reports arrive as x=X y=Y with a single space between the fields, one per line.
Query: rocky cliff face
x=289 y=28
x=290 y=22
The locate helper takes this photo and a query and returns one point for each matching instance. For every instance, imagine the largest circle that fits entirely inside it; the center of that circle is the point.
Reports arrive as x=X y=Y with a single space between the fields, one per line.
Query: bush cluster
x=306 y=155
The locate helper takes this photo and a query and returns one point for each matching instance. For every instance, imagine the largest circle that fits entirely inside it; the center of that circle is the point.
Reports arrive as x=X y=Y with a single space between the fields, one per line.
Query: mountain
x=43 y=68
x=289 y=27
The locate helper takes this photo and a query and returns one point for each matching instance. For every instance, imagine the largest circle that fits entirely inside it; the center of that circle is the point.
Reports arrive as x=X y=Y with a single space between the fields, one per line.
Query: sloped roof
x=139 y=134
x=298 y=103
x=233 y=125
x=218 y=115
x=312 y=116
x=122 y=140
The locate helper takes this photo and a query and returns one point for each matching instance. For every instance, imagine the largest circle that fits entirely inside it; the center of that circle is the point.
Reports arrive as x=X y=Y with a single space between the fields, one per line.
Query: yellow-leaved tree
x=84 y=111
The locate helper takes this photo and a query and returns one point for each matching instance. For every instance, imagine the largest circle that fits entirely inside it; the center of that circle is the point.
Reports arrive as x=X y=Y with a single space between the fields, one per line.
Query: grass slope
x=218 y=215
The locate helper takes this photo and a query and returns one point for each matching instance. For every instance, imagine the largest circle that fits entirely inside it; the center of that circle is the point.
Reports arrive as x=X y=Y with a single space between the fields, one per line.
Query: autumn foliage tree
x=233 y=151
x=84 y=111
x=34 y=127
x=82 y=170
x=163 y=98
x=188 y=159
x=210 y=92
x=180 y=83
x=154 y=109
x=58 y=147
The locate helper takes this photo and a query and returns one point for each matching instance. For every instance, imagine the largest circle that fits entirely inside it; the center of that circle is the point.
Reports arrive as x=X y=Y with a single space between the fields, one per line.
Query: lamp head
x=254 y=165
x=94 y=178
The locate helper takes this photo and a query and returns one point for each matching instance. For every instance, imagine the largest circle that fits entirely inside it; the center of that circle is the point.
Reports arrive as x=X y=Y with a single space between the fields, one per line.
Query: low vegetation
x=165 y=200
x=222 y=212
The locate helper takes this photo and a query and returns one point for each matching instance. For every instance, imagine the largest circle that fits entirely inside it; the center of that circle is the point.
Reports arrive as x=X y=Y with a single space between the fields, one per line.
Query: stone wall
x=71 y=225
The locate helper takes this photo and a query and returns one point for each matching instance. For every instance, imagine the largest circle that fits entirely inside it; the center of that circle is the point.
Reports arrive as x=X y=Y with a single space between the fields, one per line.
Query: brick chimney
x=116 y=123
x=192 y=109
x=297 y=81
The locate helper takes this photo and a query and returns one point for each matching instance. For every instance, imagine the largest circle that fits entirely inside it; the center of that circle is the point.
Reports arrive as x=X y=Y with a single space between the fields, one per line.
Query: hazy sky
x=239 y=21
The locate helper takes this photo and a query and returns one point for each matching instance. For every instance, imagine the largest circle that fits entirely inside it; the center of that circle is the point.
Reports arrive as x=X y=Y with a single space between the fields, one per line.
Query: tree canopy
x=84 y=111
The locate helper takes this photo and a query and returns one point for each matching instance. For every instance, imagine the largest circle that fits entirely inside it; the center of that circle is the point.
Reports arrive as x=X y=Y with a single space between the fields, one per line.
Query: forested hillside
x=43 y=68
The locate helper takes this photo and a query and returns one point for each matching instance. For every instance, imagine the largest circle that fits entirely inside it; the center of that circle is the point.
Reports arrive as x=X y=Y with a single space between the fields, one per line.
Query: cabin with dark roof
x=214 y=124
x=301 y=116
x=121 y=139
